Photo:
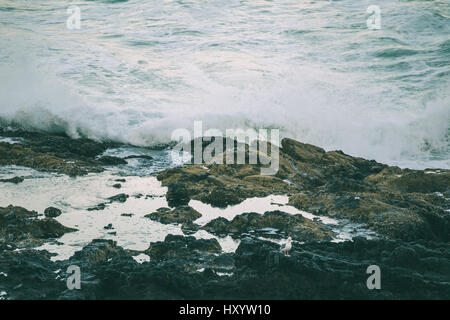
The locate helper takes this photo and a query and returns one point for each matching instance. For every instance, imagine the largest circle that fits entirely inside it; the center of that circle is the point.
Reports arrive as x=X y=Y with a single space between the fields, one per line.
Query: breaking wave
x=138 y=70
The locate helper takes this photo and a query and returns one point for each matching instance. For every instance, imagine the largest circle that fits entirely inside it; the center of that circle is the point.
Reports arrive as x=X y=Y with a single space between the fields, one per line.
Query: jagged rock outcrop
x=396 y=203
x=181 y=214
x=23 y=228
x=53 y=153
x=258 y=270
x=275 y=224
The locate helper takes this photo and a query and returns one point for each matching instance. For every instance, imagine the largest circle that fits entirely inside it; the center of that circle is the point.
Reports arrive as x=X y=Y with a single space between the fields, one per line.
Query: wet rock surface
x=396 y=203
x=140 y=156
x=111 y=161
x=22 y=228
x=53 y=153
x=409 y=209
x=185 y=268
x=181 y=246
x=177 y=195
x=119 y=198
x=30 y=274
x=52 y=212
x=275 y=224
x=181 y=214
x=15 y=180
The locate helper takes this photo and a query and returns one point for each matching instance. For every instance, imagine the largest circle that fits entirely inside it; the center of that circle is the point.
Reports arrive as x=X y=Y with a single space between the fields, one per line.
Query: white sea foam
x=135 y=71
x=10 y=140
x=141 y=258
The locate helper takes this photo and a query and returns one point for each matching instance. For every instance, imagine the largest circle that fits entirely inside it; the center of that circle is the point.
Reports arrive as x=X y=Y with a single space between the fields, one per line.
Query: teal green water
x=136 y=70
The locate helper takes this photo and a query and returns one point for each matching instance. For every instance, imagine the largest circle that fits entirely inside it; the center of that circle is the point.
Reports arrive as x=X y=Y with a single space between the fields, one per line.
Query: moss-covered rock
x=182 y=214
x=181 y=246
x=24 y=228
x=274 y=224
x=397 y=203
x=53 y=153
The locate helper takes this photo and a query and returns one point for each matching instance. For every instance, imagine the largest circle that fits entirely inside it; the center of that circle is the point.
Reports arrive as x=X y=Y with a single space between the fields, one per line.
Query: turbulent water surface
x=138 y=69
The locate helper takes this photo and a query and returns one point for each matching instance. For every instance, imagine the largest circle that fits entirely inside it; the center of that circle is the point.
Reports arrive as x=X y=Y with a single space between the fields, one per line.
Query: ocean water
x=138 y=69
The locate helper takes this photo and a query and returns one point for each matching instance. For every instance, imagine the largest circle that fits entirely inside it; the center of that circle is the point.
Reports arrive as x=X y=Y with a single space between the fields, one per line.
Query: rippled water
x=138 y=69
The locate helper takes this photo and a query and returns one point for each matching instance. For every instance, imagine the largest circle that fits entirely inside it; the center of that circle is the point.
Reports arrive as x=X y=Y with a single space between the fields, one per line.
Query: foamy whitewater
x=137 y=70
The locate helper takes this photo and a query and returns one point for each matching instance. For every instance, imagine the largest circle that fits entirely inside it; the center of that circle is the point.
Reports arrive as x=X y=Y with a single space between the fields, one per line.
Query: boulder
x=52 y=212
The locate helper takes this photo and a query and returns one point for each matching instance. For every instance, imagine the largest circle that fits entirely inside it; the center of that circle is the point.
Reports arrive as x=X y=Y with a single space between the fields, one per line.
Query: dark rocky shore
x=185 y=268
x=396 y=203
x=408 y=210
x=55 y=153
